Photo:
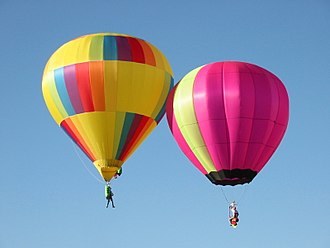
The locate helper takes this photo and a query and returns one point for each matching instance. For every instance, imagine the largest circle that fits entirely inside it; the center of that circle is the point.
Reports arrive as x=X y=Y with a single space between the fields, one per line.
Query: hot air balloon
x=107 y=92
x=228 y=118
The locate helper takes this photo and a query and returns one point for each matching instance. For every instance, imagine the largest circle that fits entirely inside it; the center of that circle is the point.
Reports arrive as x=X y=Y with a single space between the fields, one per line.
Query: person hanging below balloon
x=109 y=195
x=233 y=214
x=118 y=173
x=108 y=192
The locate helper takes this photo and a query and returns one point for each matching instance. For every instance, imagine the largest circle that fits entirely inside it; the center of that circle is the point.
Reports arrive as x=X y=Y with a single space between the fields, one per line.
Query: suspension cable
x=246 y=187
x=240 y=198
x=84 y=164
x=224 y=194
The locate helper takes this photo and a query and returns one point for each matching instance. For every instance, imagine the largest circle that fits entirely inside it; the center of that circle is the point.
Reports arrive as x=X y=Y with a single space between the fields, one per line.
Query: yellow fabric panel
x=185 y=115
x=98 y=131
x=140 y=87
x=75 y=51
x=110 y=84
x=159 y=57
x=99 y=127
x=96 y=48
x=52 y=99
x=183 y=100
x=163 y=95
x=197 y=144
x=161 y=61
x=101 y=131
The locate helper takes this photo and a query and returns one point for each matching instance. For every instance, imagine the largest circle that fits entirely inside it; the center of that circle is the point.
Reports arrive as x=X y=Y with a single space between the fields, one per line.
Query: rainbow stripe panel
x=108 y=92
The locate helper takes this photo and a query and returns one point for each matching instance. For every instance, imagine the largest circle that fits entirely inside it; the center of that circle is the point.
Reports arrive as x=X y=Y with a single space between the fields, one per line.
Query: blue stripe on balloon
x=162 y=111
x=62 y=91
x=110 y=48
x=129 y=117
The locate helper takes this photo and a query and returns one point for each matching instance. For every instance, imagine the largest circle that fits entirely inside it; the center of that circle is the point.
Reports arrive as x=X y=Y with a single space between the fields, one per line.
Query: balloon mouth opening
x=108 y=167
x=231 y=177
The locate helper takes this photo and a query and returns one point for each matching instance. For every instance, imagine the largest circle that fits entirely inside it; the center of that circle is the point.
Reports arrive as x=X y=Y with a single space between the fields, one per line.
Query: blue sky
x=48 y=198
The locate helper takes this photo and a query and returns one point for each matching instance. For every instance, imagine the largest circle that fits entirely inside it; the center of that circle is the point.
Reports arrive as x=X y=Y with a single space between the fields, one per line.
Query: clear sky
x=48 y=198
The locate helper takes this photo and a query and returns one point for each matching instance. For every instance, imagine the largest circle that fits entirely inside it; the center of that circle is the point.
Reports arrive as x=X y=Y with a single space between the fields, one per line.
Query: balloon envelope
x=228 y=118
x=108 y=92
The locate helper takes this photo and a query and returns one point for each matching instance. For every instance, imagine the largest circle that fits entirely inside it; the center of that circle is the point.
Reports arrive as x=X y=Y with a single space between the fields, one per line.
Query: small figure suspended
x=109 y=195
x=233 y=214
x=118 y=173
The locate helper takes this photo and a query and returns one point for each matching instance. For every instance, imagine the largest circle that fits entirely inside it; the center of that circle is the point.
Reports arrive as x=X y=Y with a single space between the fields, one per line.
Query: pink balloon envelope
x=228 y=118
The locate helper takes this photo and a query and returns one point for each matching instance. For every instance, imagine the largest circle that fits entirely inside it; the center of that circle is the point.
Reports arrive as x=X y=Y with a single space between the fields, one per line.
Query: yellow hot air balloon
x=107 y=92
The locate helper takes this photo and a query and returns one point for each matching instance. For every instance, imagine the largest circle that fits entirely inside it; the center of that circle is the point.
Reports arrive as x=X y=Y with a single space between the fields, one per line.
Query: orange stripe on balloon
x=148 y=53
x=96 y=71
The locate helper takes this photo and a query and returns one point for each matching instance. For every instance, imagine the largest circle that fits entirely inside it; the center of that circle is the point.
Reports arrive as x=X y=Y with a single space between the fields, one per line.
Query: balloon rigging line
x=84 y=164
x=244 y=192
x=241 y=196
x=224 y=194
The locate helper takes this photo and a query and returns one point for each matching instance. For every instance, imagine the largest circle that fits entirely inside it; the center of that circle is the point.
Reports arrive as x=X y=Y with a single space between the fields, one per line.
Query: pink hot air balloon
x=228 y=118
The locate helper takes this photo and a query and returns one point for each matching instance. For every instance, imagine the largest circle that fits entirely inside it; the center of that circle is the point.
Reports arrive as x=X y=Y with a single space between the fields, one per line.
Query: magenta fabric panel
x=266 y=96
x=124 y=51
x=276 y=135
x=265 y=113
x=208 y=93
x=267 y=152
x=283 y=111
x=254 y=154
x=72 y=88
x=239 y=104
x=210 y=113
x=238 y=90
x=272 y=102
x=214 y=133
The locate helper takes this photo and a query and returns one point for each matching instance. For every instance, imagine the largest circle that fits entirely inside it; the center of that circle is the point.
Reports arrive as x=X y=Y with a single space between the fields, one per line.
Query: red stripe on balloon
x=131 y=133
x=144 y=125
x=69 y=127
x=136 y=50
x=84 y=86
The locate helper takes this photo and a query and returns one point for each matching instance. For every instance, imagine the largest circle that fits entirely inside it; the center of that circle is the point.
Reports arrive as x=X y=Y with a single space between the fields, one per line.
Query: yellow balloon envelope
x=107 y=91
